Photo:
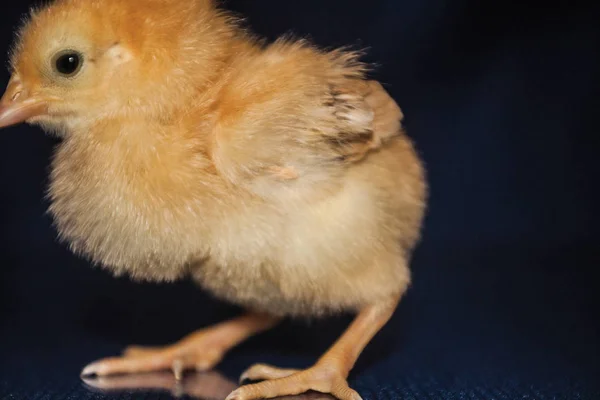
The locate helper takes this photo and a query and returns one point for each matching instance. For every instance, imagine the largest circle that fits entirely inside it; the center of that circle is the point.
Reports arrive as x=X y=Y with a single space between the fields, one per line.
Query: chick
x=277 y=176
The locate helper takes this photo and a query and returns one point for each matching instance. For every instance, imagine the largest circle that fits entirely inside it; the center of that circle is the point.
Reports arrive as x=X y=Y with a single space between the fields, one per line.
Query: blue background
x=501 y=98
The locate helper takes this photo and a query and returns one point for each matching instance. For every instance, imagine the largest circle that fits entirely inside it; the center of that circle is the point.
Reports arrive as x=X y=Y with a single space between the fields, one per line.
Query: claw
x=91 y=369
x=235 y=395
x=244 y=378
x=178 y=368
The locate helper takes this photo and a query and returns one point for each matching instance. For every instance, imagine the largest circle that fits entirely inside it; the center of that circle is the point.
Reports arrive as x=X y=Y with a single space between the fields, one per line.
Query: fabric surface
x=501 y=98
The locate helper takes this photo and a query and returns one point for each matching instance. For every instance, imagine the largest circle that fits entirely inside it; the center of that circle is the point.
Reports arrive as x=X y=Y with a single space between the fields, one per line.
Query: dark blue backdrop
x=502 y=99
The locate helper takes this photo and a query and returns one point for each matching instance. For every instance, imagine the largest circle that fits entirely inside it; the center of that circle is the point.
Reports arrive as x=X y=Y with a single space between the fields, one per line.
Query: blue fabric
x=502 y=100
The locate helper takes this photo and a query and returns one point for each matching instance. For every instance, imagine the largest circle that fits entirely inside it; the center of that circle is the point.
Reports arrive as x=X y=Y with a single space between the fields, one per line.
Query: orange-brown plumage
x=275 y=175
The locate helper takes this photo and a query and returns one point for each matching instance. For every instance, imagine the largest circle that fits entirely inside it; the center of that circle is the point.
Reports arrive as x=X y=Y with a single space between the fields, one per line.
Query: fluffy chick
x=275 y=175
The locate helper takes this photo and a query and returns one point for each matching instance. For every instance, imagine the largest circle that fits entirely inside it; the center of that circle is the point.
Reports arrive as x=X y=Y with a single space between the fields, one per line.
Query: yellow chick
x=276 y=176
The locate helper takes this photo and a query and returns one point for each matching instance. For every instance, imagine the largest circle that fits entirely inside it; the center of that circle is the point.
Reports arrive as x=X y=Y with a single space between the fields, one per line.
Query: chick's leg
x=331 y=371
x=201 y=350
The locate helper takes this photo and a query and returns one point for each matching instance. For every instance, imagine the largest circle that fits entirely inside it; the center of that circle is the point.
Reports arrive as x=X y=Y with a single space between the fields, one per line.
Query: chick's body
x=276 y=176
x=199 y=194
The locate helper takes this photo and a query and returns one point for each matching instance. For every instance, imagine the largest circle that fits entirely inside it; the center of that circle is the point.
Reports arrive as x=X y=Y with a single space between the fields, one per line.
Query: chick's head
x=78 y=61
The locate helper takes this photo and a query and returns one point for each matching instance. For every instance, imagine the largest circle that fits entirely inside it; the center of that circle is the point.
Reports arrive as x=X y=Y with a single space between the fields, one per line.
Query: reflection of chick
x=276 y=176
x=201 y=385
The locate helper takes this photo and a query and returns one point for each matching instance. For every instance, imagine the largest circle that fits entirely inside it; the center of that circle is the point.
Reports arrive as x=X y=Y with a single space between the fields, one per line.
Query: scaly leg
x=331 y=371
x=201 y=350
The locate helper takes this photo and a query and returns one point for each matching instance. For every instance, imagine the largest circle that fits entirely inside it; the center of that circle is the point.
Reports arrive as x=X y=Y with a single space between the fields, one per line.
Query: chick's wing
x=295 y=114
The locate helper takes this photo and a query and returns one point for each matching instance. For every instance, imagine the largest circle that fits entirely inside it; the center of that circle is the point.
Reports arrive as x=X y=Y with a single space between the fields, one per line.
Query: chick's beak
x=17 y=106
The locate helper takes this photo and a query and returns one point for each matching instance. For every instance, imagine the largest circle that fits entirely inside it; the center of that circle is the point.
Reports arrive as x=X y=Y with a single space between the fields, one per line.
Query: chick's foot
x=330 y=372
x=136 y=360
x=284 y=382
x=200 y=351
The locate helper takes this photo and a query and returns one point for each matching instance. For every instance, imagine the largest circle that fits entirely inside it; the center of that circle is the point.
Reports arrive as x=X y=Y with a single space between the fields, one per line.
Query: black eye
x=68 y=63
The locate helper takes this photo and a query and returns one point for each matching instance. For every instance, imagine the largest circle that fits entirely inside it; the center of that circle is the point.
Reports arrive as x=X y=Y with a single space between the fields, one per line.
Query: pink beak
x=16 y=106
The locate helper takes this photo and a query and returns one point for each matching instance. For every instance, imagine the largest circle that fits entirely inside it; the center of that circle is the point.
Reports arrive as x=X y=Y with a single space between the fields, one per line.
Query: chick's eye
x=68 y=63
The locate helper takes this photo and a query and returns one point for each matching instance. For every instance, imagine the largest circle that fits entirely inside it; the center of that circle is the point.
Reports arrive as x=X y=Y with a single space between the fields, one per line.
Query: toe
x=125 y=365
x=289 y=386
x=344 y=392
x=260 y=372
x=141 y=360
